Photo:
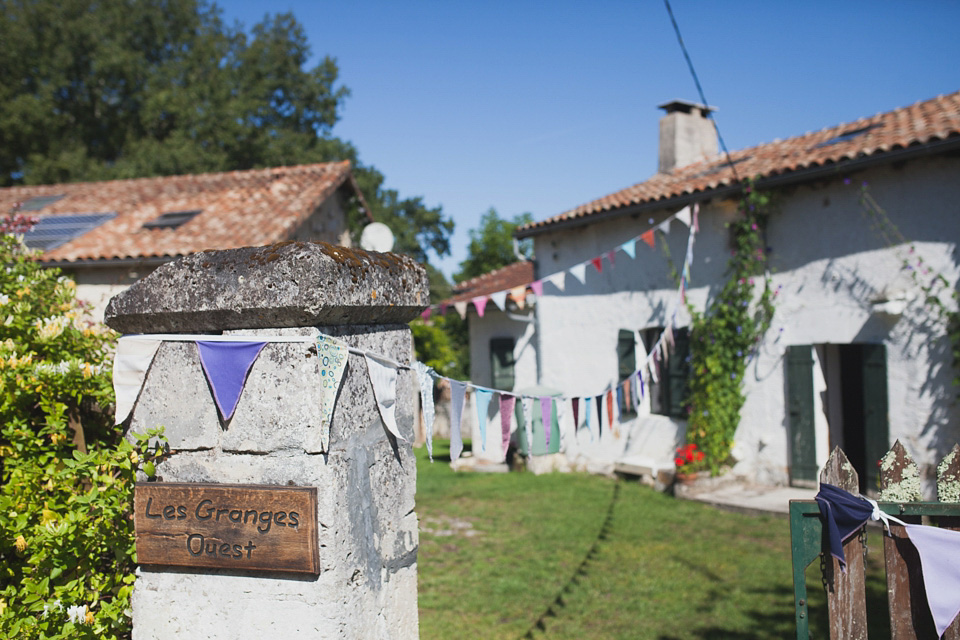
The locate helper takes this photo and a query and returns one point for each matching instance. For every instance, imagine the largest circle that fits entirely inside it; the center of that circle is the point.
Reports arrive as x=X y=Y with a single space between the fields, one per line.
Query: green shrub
x=66 y=538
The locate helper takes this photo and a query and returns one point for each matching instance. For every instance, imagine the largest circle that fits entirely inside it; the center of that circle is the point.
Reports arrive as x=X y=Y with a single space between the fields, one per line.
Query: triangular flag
x=461 y=308
x=519 y=295
x=627 y=396
x=579 y=271
x=938 y=549
x=597 y=263
x=500 y=299
x=611 y=257
x=621 y=399
x=576 y=412
x=480 y=303
x=507 y=403
x=527 y=406
x=630 y=248
x=537 y=287
x=383 y=378
x=588 y=416
x=610 y=409
x=683 y=215
x=599 y=400
x=130 y=365
x=640 y=389
x=558 y=280
x=427 y=410
x=652 y=369
x=482 y=398
x=664 y=226
x=647 y=236
x=226 y=365
x=696 y=217
x=425 y=314
x=331 y=362
x=458 y=391
x=546 y=418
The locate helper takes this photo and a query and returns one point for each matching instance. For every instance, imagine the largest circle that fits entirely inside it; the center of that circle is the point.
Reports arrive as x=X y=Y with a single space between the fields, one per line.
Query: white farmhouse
x=854 y=357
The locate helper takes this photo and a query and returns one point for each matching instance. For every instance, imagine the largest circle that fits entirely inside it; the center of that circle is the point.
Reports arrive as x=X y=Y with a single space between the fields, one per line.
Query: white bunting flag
x=664 y=226
x=558 y=279
x=500 y=299
x=579 y=271
x=383 y=377
x=461 y=308
x=134 y=356
x=528 y=422
x=458 y=392
x=427 y=410
x=684 y=215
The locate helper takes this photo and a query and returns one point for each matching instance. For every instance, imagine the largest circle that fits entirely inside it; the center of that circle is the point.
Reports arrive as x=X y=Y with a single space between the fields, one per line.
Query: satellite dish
x=376 y=236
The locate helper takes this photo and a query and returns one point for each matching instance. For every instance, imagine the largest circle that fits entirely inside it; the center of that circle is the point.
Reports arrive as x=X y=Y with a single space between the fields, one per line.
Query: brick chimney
x=686 y=134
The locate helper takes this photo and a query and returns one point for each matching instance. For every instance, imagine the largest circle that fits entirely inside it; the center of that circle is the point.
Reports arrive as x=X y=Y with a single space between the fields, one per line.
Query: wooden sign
x=238 y=526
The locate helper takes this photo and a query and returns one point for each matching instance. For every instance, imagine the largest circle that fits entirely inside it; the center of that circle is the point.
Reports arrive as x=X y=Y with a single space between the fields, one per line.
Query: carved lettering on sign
x=244 y=527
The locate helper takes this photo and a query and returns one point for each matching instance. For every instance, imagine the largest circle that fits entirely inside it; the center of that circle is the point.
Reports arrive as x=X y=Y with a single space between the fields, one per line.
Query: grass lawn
x=579 y=556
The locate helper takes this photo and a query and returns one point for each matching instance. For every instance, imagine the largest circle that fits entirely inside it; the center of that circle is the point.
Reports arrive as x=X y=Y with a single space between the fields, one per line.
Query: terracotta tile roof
x=508 y=277
x=237 y=209
x=921 y=124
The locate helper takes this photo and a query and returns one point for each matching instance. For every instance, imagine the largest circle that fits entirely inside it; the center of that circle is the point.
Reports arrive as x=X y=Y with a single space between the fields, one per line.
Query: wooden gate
x=846 y=595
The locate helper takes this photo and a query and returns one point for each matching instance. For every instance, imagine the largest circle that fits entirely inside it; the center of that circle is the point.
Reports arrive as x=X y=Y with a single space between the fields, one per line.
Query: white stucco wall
x=830 y=268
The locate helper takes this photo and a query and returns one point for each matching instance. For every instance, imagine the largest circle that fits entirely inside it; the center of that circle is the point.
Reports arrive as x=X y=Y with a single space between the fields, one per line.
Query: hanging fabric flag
x=630 y=248
x=938 y=550
x=621 y=399
x=599 y=400
x=458 y=391
x=627 y=396
x=843 y=514
x=507 y=403
x=664 y=351
x=668 y=334
x=383 y=377
x=579 y=271
x=482 y=398
x=683 y=215
x=558 y=280
x=664 y=226
x=647 y=236
x=576 y=413
x=683 y=290
x=640 y=387
x=134 y=357
x=480 y=304
x=611 y=257
x=527 y=404
x=610 y=409
x=652 y=368
x=226 y=365
x=332 y=362
x=597 y=263
x=588 y=416
x=426 y=402
x=519 y=295
x=537 y=287
x=500 y=299
x=546 y=418
x=443 y=308
x=425 y=314
x=686 y=270
x=461 y=308
x=696 y=217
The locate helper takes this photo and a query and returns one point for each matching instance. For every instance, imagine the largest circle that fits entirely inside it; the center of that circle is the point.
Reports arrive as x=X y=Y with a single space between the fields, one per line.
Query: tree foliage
x=492 y=245
x=66 y=474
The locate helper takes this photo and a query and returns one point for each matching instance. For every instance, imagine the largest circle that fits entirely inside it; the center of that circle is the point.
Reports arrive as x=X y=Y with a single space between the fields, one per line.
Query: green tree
x=492 y=245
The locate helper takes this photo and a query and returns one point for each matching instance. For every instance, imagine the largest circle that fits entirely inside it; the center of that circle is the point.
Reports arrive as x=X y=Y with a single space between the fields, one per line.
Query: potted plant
x=688 y=463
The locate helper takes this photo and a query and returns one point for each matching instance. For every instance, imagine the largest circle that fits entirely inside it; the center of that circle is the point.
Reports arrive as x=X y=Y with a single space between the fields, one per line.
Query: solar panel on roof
x=55 y=230
x=39 y=202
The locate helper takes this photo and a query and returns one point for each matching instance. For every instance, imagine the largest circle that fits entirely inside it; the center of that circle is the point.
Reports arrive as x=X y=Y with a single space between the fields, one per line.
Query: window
x=668 y=397
x=502 y=363
x=171 y=220
x=627 y=366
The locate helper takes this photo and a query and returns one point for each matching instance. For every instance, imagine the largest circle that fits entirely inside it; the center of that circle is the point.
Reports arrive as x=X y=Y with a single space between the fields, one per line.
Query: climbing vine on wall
x=727 y=334
x=932 y=285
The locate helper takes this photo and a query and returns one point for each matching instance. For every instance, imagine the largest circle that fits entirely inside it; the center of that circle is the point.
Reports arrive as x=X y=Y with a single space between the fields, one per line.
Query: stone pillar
x=367 y=528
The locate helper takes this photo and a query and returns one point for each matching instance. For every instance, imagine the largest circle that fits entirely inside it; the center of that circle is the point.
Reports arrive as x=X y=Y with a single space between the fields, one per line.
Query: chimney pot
x=687 y=134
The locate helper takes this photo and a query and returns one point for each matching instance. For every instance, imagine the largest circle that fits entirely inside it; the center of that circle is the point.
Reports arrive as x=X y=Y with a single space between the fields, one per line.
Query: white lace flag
x=383 y=377
x=426 y=402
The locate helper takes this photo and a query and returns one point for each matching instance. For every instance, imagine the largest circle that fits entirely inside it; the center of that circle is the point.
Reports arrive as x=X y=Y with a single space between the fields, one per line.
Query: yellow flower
x=3 y=605
x=23 y=292
x=134 y=458
x=88 y=619
x=87 y=370
x=20 y=543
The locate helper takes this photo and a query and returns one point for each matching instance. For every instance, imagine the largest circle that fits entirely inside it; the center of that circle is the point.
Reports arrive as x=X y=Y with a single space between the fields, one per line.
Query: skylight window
x=848 y=135
x=39 y=202
x=171 y=220
x=721 y=167
x=53 y=231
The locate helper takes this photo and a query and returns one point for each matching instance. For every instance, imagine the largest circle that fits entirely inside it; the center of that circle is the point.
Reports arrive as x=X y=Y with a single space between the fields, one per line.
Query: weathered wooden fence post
x=948 y=491
x=365 y=479
x=846 y=597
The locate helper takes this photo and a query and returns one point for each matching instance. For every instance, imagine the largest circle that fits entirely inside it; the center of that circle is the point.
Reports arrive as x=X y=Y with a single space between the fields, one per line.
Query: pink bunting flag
x=647 y=237
x=507 y=403
x=443 y=308
x=537 y=287
x=546 y=418
x=597 y=263
x=610 y=256
x=696 y=217
x=425 y=314
x=480 y=303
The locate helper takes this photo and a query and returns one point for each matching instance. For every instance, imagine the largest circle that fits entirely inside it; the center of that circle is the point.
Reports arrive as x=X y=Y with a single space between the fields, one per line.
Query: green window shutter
x=676 y=374
x=876 y=424
x=502 y=363
x=626 y=354
x=803 y=452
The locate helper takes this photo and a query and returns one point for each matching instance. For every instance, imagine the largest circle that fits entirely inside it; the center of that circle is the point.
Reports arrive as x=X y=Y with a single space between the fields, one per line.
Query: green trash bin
x=539 y=442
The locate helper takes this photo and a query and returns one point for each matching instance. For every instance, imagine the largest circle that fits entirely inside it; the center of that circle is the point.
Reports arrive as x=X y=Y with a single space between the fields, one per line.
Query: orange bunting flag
x=648 y=238
x=519 y=295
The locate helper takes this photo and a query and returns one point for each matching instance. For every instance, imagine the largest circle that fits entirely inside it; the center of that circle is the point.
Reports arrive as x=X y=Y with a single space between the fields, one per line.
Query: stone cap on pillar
x=290 y=284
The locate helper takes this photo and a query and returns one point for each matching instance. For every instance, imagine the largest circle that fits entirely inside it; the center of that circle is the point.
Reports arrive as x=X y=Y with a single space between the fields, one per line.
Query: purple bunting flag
x=546 y=418
x=507 y=403
x=226 y=365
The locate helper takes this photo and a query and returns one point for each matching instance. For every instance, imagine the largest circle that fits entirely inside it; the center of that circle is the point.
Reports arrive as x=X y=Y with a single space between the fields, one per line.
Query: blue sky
x=541 y=106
